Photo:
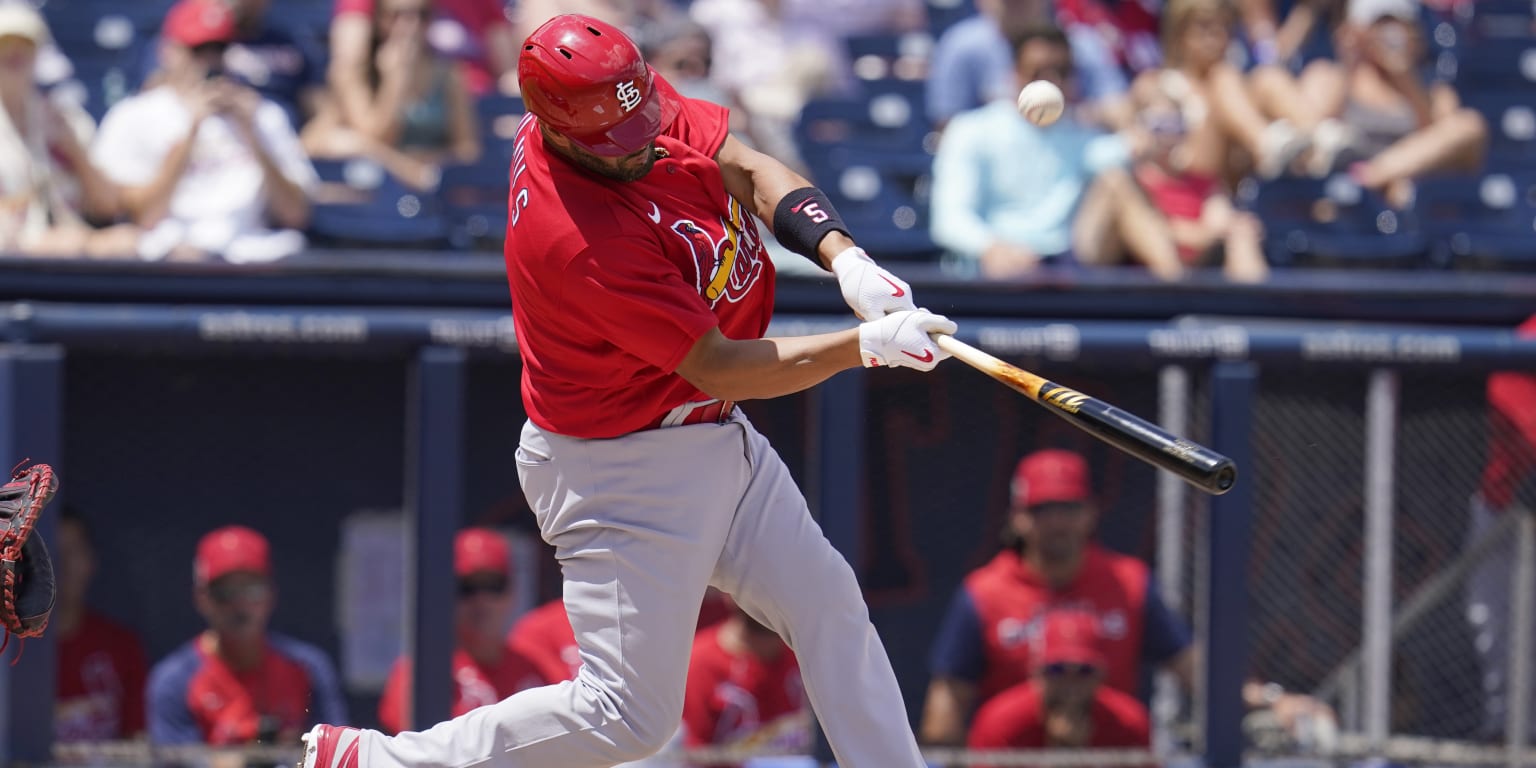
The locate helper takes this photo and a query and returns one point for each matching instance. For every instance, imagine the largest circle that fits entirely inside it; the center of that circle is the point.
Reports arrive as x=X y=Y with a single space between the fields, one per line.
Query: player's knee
x=641 y=726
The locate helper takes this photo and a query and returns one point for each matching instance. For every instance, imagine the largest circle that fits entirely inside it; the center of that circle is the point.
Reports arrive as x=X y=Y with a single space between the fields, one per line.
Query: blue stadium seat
x=1480 y=223
x=1511 y=120
x=887 y=116
x=499 y=116
x=1494 y=19
x=1495 y=63
x=942 y=14
x=883 y=196
x=386 y=213
x=474 y=200
x=1333 y=223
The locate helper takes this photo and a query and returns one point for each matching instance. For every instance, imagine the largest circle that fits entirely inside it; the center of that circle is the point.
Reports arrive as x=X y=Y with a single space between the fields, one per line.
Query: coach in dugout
x=237 y=683
x=1049 y=562
x=485 y=668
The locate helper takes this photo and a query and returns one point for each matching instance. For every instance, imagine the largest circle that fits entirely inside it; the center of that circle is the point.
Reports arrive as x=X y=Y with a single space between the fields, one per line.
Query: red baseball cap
x=480 y=550
x=231 y=549
x=1050 y=476
x=195 y=22
x=1066 y=637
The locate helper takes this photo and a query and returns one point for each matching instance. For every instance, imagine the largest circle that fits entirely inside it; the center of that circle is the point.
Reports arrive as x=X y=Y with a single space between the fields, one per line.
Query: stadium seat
x=883 y=196
x=887 y=116
x=1503 y=63
x=942 y=14
x=474 y=200
x=1483 y=223
x=387 y=213
x=1333 y=223
x=1494 y=19
x=1511 y=125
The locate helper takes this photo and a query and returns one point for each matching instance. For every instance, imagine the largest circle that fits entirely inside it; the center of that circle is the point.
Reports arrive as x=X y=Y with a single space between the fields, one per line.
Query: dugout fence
x=1346 y=563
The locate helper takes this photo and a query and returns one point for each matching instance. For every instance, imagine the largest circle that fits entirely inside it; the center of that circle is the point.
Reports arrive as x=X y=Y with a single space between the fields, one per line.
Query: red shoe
x=330 y=746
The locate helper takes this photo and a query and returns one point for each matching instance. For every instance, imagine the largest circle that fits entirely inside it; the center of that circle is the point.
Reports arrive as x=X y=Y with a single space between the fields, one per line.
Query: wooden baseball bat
x=1200 y=466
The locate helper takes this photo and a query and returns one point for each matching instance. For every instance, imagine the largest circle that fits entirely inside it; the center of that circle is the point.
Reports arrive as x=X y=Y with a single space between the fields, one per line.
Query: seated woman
x=1261 y=115
x=419 y=116
x=1405 y=126
x=48 y=185
x=1205 y=225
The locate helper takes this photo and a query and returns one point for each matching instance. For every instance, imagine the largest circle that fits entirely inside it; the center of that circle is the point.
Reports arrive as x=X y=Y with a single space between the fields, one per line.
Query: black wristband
x=802 y=218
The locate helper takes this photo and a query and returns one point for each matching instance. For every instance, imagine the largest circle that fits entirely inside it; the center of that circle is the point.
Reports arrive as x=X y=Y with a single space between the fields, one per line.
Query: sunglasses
x=228 y=594
x=482 y=587
x=210 y=49
x=1048 y=73
x=420 y=14
x=1067 y=669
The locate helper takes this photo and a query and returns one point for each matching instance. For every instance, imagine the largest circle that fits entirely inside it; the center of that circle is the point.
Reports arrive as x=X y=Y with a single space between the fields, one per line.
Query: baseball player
x=640 y=294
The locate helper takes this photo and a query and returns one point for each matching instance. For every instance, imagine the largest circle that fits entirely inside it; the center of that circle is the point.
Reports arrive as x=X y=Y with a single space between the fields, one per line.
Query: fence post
x=835 y=480
x=1381 y=408
x=434 y=496
x=1517 y=730
x=1225 y=650
x=1173 y=395
x=31 y=426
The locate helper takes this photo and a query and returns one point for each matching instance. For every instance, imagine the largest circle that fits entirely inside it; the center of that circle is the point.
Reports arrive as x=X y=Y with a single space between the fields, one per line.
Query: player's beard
x=629 y=168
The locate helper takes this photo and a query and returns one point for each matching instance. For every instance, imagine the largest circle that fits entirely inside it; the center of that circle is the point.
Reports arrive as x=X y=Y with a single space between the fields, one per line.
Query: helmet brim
x=633 y=133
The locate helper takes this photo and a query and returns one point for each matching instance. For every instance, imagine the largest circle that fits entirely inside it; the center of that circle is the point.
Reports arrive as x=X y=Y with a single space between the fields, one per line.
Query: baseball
x=1041 y=102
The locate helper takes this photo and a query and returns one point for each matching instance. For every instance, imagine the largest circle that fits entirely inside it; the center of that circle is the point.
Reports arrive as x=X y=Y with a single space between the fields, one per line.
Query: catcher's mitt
x=26 y=572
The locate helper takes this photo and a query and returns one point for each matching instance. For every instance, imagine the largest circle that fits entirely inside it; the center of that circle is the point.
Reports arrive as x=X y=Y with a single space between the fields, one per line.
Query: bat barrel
x=1196 y=464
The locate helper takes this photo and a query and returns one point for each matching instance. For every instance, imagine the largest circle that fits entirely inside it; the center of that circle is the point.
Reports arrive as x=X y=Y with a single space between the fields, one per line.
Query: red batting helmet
x=586 y=79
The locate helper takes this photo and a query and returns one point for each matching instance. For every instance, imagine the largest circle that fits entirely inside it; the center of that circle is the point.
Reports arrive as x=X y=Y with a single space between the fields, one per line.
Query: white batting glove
x=870 y=290
x=901 y=340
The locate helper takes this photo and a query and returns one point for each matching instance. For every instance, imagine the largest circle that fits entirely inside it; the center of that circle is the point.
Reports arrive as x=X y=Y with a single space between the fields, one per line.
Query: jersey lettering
x=726 y=268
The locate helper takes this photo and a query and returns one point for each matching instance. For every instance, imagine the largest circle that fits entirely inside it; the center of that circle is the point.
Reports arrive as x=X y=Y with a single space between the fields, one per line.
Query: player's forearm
x=762 y=368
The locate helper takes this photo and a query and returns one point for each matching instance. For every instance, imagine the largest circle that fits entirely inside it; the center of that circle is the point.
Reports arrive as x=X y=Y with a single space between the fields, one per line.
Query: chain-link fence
x=1377 y=581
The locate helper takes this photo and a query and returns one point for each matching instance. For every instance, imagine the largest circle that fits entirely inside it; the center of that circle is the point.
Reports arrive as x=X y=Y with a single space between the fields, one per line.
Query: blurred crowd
x=245 y=134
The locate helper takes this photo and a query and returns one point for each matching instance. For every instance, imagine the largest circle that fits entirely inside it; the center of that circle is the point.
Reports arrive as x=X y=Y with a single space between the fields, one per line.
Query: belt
x=696 y=412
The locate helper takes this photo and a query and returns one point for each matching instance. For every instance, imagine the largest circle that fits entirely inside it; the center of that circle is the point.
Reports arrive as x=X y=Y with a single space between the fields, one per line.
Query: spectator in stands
x=1504 y=490
x=784 y=70
x=237 y=683
x=1220 y=107
x=1063 y=704
x=1406 y=127
x=485 y=669
x=1127 y=28
x=1204 y=223
x=973 y=64
x=206 y=165
x=1049 y=562
x=1009 y=196
x=417 y=113
x=100 y=686
x=48 y=185
x=283 y=64
x=744 y=688
x=474 y=33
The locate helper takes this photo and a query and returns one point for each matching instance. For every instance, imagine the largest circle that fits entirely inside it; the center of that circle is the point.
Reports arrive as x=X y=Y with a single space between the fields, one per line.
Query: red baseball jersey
x=733 y=698
x=1010 y=599
x=1015 y=718
x=1511 y=431
x=195 y=696
x=100 y=686
x=544 y=637
x=613 y=282
x=475 y=685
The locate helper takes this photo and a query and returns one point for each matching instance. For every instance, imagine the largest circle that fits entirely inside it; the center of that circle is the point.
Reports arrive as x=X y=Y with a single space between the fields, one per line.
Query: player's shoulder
x=1119 y=702
x=313 y=660
x=1018 y=702
x=1124 y=568
x=177 y=668
x=995 y=570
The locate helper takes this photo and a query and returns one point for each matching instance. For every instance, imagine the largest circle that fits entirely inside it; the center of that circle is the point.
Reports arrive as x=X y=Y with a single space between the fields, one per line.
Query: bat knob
x=1225 y=478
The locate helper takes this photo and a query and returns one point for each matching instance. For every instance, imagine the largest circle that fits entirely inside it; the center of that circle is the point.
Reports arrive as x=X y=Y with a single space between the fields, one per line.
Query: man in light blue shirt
x=1008 y=195
x=972 y=62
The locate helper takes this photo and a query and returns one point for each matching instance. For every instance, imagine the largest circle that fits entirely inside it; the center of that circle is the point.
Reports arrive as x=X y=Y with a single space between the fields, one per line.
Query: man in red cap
x=641 y=292
x=206 y=166
x=237 y=683
x=1049 y=561
x=1063 y=704
x=485 y=670
x=744 y=689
